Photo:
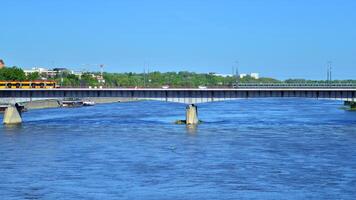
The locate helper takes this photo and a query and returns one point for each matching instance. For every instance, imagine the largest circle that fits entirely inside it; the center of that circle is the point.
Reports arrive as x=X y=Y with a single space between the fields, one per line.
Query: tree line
x=176 y=79
x=15 y=73
x=153 y=79
x=64 y=78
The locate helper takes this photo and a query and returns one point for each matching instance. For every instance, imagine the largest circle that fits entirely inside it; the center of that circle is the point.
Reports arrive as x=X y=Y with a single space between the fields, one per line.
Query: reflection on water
x=9 y=128
x=192 y=129
x=246 y=149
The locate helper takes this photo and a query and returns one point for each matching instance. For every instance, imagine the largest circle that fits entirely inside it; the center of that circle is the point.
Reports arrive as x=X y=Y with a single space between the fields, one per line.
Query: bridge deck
x=189 y=89
x=184 y=95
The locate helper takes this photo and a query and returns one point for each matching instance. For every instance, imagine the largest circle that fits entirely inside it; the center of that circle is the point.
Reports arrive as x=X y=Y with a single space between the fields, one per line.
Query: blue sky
x=277 y=38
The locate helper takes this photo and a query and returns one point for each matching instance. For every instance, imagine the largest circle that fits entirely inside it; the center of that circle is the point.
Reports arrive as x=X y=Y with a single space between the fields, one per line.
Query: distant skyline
x=276 y=38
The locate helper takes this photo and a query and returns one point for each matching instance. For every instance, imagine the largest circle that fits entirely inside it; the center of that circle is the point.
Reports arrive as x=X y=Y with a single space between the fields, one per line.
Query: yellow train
x=28 y=84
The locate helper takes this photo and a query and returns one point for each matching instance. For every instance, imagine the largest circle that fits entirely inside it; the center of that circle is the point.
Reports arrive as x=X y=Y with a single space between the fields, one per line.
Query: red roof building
x=2 y=64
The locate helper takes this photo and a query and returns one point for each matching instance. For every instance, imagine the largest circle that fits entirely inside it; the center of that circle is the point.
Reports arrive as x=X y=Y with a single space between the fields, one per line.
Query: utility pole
x=329 y=71
x=102 y=81
x=145 y=71
x=327 y=74
x=144 y=77
x=148 y=80
x=102 y=71
x=237 y=71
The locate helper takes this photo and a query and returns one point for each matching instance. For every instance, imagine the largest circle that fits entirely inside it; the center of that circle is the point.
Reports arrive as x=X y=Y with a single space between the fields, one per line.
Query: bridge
x=189 y=96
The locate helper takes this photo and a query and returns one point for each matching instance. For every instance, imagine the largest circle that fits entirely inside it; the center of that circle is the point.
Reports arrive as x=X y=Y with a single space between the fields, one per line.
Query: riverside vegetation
x=152 y=79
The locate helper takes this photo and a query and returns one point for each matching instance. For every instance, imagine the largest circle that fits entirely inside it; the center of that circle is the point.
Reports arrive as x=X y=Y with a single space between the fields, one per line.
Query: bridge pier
x=352 y=104
x=12 y=115
x=347 y=103
x=191 y=115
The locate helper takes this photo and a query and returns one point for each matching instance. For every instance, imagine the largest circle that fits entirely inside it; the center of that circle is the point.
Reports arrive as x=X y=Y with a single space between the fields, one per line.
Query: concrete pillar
x=12 y=115
x=347 y=103
x=192 y=114
x=351 y=104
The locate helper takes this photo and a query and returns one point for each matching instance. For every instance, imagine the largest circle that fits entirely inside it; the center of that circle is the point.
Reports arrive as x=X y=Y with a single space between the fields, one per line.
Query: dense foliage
x=13 y=73
x=174 y=79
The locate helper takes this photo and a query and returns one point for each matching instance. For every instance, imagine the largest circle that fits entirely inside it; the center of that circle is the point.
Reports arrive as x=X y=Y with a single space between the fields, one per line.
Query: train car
x=28 y=84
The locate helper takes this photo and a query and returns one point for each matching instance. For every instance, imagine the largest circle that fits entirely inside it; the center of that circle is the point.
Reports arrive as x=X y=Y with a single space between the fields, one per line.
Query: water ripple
x=246 y=149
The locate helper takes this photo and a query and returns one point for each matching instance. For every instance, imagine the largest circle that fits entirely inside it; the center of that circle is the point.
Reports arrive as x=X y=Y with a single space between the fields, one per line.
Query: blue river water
x=245 y=149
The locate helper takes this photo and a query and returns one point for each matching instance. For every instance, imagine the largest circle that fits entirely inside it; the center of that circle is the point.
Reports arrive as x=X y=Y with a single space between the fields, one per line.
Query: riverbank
x=56 y=103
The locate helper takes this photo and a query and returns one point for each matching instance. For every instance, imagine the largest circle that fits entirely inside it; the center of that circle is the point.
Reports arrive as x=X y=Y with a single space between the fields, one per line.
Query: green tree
x=33 y=76
x=87 y=79
x=12 y=74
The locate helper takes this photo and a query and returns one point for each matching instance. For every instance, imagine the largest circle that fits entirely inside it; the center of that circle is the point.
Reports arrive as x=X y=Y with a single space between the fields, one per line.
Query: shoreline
x=57 y=103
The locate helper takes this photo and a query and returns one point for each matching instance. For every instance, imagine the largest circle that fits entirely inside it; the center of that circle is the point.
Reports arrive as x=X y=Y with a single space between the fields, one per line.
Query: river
x=244 y=149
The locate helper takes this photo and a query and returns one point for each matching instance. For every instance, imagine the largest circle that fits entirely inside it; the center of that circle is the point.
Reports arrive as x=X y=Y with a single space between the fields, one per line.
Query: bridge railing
x=240 y=85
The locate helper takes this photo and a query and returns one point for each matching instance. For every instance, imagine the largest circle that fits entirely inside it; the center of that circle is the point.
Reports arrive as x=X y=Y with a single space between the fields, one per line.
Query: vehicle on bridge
x=28 y=84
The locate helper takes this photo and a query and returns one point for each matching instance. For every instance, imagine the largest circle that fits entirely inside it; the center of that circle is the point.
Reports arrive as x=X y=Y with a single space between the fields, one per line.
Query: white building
x=255 y=75
x=242 y=75
x=222 y=75
x=252 y=75
x=77 y=73
x=40 y=70
x=51 y=73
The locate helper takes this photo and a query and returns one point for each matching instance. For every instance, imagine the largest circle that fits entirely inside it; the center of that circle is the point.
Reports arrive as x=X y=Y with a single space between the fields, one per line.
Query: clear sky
x=277 y=38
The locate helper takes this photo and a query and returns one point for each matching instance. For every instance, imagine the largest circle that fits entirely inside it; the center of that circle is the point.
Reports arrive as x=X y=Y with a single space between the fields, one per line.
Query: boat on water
x=88 y=103
x=77 y=103
x=71 y=104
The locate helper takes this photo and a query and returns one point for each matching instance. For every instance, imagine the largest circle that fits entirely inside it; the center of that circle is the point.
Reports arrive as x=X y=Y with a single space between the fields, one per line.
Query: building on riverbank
x=252 y=75
x=51 y=73
x=42 y=71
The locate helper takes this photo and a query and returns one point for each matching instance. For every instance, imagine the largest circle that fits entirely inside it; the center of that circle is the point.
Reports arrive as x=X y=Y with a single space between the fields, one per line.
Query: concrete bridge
x=190 y=96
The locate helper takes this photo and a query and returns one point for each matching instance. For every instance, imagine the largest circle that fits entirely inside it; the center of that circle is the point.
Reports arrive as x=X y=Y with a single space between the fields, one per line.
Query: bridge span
x=190 y=96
